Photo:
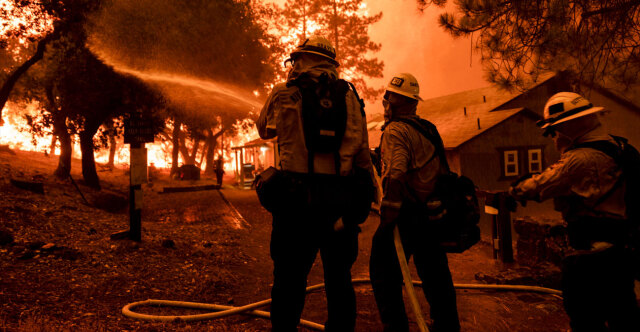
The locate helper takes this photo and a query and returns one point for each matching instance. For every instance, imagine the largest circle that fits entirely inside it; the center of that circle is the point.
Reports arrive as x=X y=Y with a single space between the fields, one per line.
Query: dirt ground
x=62 y=272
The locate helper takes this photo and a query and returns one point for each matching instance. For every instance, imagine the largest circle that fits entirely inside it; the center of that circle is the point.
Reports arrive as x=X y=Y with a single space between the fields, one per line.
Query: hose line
x=250 y=309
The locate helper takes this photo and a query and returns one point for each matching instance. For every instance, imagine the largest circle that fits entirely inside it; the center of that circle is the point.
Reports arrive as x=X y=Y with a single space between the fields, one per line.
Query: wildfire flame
x=16 y=134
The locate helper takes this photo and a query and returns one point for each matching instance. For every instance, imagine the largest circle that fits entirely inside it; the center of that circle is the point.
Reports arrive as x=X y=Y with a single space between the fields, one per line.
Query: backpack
x=628 y=158
x=324 y=114
x=452 y=209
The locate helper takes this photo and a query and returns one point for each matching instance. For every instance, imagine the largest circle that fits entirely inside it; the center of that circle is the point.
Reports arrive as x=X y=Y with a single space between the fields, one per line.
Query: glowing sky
x=413 y=42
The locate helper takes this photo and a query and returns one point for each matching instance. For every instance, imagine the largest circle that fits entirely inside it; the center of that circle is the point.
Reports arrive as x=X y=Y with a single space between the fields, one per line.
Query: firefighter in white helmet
x=323 y=186
x=587 y=188
x=410 y=164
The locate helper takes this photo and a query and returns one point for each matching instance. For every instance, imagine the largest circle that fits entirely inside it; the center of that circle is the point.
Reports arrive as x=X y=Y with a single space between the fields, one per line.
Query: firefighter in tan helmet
x=411 y=162
x=322 y=187
x=588 y=188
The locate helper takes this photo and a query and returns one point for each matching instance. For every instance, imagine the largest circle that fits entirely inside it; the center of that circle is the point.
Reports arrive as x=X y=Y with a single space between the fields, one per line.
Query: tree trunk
x=194 y=152
x=89 y=172
x=183 y=149
x=112 y=149
x=335 y=25
x=54 y=140
x=64 y=161
x=60 y=131
x=304 y=25
x=205 y=150
x=112 y=144
x=8 y=85
x=213 y=144
x=176 y=146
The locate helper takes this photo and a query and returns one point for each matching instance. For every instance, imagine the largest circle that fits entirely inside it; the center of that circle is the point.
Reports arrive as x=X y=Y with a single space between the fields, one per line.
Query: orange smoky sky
x=414 y=42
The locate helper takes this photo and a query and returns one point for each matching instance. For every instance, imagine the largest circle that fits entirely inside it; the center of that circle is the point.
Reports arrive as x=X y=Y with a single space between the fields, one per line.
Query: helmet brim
x=406 y=94
x=591 y=110
x=333 y=61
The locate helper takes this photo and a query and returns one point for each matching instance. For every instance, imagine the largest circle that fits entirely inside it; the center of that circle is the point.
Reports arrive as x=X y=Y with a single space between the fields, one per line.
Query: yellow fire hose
x=249 y=309
x=408 y=283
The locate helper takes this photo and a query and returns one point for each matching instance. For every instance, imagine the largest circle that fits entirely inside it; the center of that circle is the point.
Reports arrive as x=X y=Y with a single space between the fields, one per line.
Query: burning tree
x=592 y=41
x=345 y=22
x=34 y=24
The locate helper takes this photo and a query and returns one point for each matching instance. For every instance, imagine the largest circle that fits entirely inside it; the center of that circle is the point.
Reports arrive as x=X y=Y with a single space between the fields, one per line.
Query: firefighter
x=219 y=170
x=597 y=279
x=314 y=188
x=410 y=165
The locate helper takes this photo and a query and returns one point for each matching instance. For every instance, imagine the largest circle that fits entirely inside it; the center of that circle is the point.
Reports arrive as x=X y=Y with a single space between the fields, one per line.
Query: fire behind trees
x=80 y=94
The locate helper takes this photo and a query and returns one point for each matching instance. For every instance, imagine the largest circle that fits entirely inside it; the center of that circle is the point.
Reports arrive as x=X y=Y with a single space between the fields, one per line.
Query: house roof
x=456 y=128
x=457 y=115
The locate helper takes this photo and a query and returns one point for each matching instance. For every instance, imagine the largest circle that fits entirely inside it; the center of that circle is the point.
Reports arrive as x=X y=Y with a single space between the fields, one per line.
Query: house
x=252 y=158
x=490 y=135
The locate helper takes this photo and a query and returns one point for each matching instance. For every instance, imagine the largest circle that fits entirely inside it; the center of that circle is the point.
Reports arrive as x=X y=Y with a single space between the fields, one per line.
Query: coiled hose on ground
x=250 y=309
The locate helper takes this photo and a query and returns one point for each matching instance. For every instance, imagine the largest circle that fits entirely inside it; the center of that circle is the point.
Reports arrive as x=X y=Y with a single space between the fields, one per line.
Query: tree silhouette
x=346 y=24
x=593 y=41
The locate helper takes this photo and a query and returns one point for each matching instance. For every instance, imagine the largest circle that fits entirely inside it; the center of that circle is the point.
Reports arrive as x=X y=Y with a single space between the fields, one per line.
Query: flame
x=28 y=18
x=16 y=134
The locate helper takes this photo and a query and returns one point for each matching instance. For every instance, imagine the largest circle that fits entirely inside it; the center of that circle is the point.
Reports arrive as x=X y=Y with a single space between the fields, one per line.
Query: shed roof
x=255 y=142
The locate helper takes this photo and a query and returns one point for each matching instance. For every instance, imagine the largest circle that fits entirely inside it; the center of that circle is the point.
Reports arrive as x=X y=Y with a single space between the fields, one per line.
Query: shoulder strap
x=430 y=132
x=360 y=100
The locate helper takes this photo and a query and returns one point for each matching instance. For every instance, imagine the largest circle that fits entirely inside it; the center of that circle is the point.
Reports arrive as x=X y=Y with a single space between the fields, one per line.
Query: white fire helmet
x=566 y=106
x=405 y=84
x=317 y=45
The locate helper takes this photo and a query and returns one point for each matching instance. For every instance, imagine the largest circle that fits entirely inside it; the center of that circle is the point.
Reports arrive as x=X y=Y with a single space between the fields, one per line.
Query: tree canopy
x=345 y=23
x=594 y=41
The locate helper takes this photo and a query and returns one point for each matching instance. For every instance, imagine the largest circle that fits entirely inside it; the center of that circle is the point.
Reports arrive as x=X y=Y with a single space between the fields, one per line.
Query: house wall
x=536 y=98
x=481 y=158
x=621 y=121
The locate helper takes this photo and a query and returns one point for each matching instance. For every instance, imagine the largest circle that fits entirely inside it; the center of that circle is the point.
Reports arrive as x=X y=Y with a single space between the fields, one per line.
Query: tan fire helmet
x=405 y=84
x=317 y=45
x=566 y=106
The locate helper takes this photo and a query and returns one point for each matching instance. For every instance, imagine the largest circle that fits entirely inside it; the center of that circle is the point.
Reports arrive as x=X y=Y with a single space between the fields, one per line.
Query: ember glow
x=29 y=18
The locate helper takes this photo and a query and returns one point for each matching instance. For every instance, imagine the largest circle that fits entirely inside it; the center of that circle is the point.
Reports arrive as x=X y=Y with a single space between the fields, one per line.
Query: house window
x=511 y=163
x=535 y=160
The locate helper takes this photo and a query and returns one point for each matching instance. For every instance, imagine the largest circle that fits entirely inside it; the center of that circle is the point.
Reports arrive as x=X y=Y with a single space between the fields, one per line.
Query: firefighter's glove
x=522 y=178
x=514 y=197
x=389 y=212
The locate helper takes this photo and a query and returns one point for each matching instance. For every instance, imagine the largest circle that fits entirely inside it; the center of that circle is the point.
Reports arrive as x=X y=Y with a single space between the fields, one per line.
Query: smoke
x=413 y=42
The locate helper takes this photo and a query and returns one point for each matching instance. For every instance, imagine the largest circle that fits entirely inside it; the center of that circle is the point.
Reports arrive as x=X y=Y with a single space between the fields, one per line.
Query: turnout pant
x=297 y=236
x=598 y=291
x=433 y=269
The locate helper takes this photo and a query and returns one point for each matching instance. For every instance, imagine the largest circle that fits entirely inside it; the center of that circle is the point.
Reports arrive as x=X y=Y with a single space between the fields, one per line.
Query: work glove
x=515 y=198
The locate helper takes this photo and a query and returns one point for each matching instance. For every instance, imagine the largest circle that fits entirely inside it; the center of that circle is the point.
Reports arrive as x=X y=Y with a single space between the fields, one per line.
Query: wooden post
x=137 y=176
x=504 y=230
x=137 y=131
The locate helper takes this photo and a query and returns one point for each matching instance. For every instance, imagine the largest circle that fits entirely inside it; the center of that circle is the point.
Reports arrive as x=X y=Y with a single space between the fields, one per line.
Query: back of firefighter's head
x=401 y=96
x=314 y=49
x=568 y=116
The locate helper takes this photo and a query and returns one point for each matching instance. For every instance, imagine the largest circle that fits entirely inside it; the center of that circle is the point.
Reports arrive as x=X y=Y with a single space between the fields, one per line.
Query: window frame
x=506 y=163
x=530 y=151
